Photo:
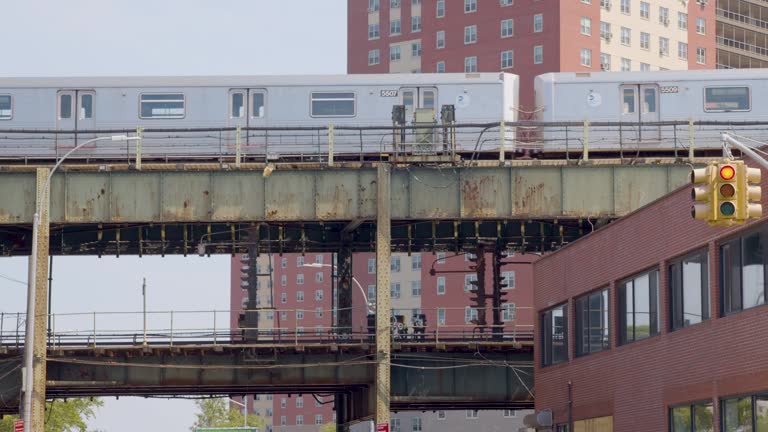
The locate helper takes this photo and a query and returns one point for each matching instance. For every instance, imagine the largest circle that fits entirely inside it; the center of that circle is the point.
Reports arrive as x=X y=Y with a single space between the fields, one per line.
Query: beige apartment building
x=742 y=34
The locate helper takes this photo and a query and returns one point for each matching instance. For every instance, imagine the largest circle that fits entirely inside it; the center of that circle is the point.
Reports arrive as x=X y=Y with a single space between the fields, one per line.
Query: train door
x=640 y=104
x=417 y=97
x=247 y=108
x=75 y=112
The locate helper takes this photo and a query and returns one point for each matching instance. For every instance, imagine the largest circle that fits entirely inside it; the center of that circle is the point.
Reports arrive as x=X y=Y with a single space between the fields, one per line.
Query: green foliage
x=328 y=427
x=216 y=413
x=62 y=416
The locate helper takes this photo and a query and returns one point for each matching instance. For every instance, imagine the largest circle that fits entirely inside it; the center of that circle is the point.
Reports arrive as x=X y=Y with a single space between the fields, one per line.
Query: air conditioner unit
x=662 y=52
x=608 y=6
x=608 y=37
x=702 y=2
x=605 y=66
x=665 y=21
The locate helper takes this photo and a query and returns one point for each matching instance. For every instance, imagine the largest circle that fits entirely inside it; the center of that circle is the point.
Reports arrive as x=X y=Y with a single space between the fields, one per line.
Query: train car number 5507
x=389 y=93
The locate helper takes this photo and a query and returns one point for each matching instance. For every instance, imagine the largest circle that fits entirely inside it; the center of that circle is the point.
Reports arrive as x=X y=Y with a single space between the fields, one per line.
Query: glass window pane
x=559 y=338
x=408 y=98
x=642 y=307
x=65 y=106
x=86 y=106
x=258 y=105
x=753 y=281
x=237 y=105
x=761 y=413
x=649 y=100
x=333 y=104
x=429 y=99
x=737 y=415
x=162 y=105
x=629 y=312
x=726 y=99
x=681 y=419
x=694 y=282
x=703 y=418
x=629 y=101
x=5 y=107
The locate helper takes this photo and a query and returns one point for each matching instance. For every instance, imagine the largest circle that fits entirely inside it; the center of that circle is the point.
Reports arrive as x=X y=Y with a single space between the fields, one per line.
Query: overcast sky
x=158 y=37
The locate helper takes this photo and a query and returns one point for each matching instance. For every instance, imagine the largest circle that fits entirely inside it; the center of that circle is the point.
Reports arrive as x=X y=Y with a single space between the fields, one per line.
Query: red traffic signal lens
x=727 y=190
x=727 y=172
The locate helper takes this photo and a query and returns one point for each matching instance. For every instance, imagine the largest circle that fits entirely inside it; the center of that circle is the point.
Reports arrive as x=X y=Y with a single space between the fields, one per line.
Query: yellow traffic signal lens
x=727 y=172
x=727 y=190
x=727 y=208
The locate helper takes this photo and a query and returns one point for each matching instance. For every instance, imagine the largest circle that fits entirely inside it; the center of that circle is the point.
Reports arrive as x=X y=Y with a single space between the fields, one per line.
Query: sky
x=157 y=37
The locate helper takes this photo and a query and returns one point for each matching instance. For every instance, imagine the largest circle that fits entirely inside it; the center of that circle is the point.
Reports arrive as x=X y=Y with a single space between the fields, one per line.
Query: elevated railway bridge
x=405 y=202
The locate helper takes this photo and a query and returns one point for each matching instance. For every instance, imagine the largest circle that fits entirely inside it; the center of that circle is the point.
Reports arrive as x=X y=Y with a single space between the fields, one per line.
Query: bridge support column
x=344 y=290
x=383 y=307
x=36 y=418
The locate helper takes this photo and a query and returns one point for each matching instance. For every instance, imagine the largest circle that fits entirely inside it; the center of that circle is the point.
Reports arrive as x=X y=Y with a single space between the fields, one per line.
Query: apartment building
x=302 y=290
x=529 y=37
x=742 y=33
x=653 y=323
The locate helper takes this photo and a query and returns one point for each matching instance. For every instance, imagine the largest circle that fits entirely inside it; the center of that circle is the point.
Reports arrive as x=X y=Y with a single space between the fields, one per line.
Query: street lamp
x=32 y=280
x=369 y=305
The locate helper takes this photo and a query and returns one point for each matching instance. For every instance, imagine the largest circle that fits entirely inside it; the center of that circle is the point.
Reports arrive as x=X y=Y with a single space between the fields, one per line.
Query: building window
x=300 y=261
x=319 y=295
x=299 y=420
x=626 y=36
x=682 y=21
x=639 y=307
x=586 y=57
x=440 y=39
x=504 y=3
x=416 y=288
x=300 y=402
x=318 y=312
x=605 y=4
x=394 y=53
x=538 y=54
x=154 y=106
x=470 y=34
x=468 y=279
x=332 y=104
x=689 y=290
x=554 y=335
x=300 y=279
x=625 y=9
x=742 y=267
x=318 y=419
x=605 y=61
x=472 y=414
x=508 y=413
x=440 y=316
x=645 y=67
x=441 y=257
x=663 y=16
x=645 y=40
x=440 y=67
x=299 y=296
x=507 y=59
x=592 y=322
x=371 y=265
x=701 y=26
x=394 y=27
x=373 y=6
x=507 y=28
x=394 y=290
x=394 y=4
x=395 y=423
x=284 y=262
x=470 y=64
x=415 y=23
x=394 y=264
x=682 y=51
x=373 y=31
x=371 y=293
x=696 y=417
x=663 y=46
x=416 y=424
x=440 y=8
x=626 y=64
x=538 y=23
x=605 y=31
x=724 y=99
x=701 y=55
x=441 y=415
x=416 y=262
x=319 y=277
x=283 y=298
x=470 y=6
x=586 y=26
x=748 y=413
x=508 y=312
x=318 y=259
x=441 y=285
x=283 y=403
x=645 y=10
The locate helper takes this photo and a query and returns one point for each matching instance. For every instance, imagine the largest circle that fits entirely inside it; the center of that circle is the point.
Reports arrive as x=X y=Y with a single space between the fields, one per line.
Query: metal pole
x=50 y=290
x=751 y=153
x=245 y=411
x=381 y=390
x=144 y=295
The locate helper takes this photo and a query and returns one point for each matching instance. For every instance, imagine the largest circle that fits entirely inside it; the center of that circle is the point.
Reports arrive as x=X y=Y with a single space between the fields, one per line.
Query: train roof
x=670 y=75
x=254 y=80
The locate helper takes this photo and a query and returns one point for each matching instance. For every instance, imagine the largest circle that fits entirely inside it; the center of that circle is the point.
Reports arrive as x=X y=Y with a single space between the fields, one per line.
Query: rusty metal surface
x=425 y=193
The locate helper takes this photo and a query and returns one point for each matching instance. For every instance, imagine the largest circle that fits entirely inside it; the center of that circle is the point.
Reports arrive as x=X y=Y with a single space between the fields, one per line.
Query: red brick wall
x=707 y=40
x=636 y=383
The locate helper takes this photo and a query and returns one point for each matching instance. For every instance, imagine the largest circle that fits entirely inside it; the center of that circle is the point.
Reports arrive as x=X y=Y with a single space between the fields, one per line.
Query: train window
x=408 y=98
x=162 y=105
x=337 y=104
x=429 y=99
x=238 y=106
x=65 y=106
x=649 y=100
x=628 y=96
x=258 y=105
x=726 y=99
x=86 y=106
x=6 y=107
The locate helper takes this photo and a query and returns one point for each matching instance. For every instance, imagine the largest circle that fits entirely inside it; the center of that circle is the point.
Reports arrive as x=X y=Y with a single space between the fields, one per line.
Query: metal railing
x=327 y=144
x=275 y=326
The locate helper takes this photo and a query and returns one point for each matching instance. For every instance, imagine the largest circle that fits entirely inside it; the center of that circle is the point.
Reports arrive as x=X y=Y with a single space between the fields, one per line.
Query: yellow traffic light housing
x=722 y=193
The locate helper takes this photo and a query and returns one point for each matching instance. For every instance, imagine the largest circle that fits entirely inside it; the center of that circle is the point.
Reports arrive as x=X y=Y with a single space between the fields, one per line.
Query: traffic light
x=722 y=193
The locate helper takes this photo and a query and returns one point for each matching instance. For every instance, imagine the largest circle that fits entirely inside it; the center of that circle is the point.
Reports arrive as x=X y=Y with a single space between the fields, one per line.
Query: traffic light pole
x=727 y=139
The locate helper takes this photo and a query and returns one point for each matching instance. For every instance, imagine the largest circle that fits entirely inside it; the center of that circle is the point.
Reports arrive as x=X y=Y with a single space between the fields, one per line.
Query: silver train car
x=286 y=114
x=728 y=97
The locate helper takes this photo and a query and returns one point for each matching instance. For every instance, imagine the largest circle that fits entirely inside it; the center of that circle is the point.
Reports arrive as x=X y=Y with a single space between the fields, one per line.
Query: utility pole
x=144 y=296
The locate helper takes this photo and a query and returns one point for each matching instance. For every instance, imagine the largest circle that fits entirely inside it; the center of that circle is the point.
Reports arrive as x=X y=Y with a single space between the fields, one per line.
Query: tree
x=62 y=416
x=328 y=427
x=215 y=413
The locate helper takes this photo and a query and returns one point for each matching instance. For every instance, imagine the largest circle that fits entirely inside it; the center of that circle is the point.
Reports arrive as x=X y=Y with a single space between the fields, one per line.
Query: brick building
x=655 y=320
x=302 y=290
x=529 y=37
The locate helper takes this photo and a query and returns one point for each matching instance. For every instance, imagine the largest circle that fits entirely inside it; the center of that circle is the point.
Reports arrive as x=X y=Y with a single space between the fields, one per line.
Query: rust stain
x=479 y=197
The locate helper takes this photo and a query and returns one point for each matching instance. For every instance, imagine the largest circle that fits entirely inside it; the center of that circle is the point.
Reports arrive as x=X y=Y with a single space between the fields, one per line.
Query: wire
x=12 y=279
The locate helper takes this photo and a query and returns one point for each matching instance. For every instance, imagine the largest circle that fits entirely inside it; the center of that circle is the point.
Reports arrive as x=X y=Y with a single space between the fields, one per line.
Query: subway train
x=274 y=117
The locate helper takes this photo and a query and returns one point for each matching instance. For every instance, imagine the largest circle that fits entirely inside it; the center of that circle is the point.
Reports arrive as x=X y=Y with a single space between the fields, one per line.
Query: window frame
x=673 y=302
x=545 y=319
x=739 y=239
x=690 y=406
x=10 y=101
x=312 y=100
x=605 y=314
x=174 y=117
x=622 y=318
x=749 y=98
